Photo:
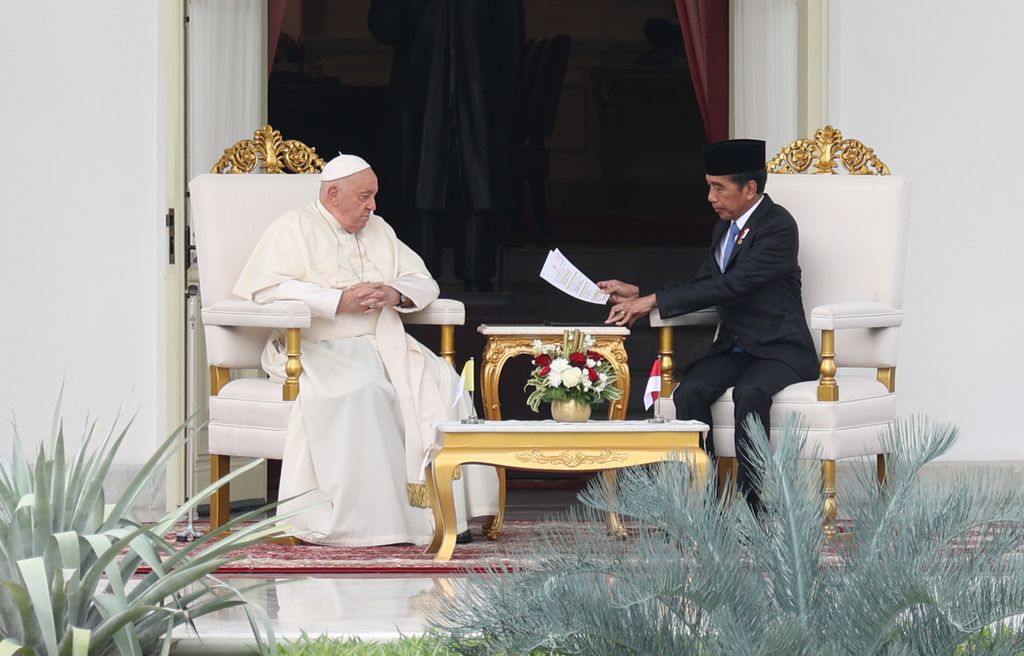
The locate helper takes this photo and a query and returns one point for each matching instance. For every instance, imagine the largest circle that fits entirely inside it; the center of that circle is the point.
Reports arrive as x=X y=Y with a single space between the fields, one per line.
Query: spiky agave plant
x=923 y=568
x=70 y=580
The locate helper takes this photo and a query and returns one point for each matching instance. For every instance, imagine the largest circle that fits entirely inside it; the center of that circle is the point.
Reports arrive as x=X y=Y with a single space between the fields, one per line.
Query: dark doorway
x=623 y=151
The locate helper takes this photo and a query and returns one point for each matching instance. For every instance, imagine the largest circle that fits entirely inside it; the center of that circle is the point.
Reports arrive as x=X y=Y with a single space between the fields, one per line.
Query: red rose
x=595 y=356
x=593 y=375
x=542 y=360
x=546 y=370
x=577 y=359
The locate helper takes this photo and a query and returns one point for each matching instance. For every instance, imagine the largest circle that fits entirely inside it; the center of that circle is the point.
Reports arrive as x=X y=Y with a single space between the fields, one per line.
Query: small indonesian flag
x=465 y=381
x=653 y=389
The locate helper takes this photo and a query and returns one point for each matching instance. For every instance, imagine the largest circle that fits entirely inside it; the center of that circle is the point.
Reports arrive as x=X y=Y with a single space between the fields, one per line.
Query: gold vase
x=569 y=410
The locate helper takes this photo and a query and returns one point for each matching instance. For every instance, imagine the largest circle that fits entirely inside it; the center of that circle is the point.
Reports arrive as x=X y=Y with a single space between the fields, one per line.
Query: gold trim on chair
x=828 y=388
x=829 y=148
x=276 y=153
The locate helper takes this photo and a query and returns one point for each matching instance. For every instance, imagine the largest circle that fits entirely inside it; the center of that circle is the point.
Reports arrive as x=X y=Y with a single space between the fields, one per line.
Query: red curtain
x=275 y=16
x=705 y=26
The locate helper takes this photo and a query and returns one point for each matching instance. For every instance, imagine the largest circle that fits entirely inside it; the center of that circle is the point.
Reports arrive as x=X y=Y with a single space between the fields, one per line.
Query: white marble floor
x=372 y=608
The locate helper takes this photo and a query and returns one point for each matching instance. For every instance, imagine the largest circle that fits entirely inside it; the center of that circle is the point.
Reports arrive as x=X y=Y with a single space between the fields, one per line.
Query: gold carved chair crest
x=828 y=149
x=276 y=154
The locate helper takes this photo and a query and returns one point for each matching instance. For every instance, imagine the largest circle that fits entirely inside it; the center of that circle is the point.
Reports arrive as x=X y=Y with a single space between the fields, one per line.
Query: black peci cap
x=734 y=156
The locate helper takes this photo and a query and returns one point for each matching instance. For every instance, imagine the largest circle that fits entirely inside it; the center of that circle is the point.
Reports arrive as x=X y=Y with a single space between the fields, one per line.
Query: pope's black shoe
x=464 y=538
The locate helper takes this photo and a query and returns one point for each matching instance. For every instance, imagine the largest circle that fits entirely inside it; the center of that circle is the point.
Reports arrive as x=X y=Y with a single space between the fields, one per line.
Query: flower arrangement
x=570 y=371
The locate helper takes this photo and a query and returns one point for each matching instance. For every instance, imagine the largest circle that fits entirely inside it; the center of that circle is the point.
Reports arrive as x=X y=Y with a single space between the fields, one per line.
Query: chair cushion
x=851 y=442
x=853 y=243
x=841 y=429
x=248 y=418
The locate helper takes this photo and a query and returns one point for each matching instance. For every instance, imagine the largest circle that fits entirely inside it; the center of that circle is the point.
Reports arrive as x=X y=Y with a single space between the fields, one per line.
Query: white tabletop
x=552 y=426
x=486 y=329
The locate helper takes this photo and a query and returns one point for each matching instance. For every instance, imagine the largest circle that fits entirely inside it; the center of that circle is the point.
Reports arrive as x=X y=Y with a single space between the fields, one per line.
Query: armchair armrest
x=705 y=317
x=239 y=312
x=838 y=316
x=442 y=312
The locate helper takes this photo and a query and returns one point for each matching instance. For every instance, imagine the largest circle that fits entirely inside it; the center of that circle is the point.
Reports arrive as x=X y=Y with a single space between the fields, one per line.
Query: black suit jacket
x=758 y=296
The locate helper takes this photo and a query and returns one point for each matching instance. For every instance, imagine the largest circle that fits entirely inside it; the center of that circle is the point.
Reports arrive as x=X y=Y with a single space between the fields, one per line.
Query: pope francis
x=369 y=395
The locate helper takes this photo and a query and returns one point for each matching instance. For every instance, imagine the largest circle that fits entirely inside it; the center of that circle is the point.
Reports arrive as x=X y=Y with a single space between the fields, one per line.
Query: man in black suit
x=753 y=278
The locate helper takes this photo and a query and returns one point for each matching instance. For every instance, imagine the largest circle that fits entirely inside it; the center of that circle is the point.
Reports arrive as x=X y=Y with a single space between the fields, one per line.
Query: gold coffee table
x=550 y=446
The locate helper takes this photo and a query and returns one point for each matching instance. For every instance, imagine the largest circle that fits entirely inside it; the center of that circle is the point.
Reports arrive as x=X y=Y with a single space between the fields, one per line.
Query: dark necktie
x=730 y=243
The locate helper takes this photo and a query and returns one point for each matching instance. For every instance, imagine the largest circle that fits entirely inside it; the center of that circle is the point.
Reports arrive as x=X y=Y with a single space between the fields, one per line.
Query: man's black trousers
x=755 y=381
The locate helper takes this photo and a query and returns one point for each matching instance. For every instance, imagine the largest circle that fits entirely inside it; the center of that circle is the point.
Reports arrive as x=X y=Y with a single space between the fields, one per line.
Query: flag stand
x=652 y=394
x=467 y=382
x=472 y=418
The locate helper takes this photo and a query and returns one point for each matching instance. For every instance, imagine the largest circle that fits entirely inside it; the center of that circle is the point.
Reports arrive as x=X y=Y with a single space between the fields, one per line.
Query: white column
x=812 y=66
x=765 y=71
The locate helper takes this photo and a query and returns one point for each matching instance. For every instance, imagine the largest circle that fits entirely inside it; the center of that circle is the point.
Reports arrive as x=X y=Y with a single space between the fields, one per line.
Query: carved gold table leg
x=614 y=350
x=444 y=471
x=435 y=543
x=612 y=519
x=725 y=475
x=699 y=463
x=492 y=526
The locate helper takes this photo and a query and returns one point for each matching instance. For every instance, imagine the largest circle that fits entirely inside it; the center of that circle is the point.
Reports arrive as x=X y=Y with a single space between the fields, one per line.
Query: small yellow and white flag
x=465 y=381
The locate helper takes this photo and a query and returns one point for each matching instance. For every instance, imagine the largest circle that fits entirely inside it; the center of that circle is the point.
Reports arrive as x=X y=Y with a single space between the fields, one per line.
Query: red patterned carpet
x=272 y=559
x=315 y=559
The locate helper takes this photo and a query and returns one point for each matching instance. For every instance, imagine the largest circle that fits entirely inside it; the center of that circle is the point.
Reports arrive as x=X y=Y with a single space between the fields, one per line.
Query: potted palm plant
x=79 y=576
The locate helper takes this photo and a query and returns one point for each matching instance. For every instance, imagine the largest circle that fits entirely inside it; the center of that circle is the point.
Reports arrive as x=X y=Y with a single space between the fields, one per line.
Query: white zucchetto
x=343 y=166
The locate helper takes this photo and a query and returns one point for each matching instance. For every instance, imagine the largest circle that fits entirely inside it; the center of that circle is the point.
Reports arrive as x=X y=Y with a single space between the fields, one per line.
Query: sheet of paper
x=561 y=273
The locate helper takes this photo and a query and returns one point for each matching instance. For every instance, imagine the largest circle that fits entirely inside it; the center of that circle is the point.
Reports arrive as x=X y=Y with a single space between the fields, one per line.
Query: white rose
x=590 y=363
x=558 y=365
x=572 y=377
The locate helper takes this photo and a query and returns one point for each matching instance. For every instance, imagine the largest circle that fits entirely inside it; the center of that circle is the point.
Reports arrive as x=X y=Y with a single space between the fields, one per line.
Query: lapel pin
x=742 y=236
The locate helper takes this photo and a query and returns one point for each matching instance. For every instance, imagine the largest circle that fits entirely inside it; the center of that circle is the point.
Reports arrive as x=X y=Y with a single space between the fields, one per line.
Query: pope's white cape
x=360 y=399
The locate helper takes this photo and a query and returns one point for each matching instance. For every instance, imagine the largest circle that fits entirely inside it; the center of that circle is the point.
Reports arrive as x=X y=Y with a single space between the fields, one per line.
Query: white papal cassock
x=369 y=395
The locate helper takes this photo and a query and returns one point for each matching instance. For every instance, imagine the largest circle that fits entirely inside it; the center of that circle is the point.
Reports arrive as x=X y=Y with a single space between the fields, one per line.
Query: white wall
x=937 y=90
x=81 y=195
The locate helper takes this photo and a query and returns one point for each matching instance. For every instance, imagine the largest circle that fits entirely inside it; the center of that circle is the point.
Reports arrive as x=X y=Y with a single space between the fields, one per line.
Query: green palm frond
x=927 y=569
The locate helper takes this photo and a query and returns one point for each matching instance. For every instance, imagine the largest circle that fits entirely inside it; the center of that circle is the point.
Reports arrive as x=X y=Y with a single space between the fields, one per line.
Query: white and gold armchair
x=853 y=238
x=249 y=416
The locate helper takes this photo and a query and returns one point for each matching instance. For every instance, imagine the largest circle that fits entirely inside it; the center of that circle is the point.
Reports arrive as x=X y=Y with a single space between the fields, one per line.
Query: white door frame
x=179 y=274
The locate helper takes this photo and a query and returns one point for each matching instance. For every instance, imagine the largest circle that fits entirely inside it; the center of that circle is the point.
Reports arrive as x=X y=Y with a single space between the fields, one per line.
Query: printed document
x=561 y=273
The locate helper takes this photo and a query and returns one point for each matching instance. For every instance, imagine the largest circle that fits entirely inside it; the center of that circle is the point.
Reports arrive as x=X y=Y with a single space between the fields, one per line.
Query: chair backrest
x=229 y=214
x=544 y=64
x=853 y=236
